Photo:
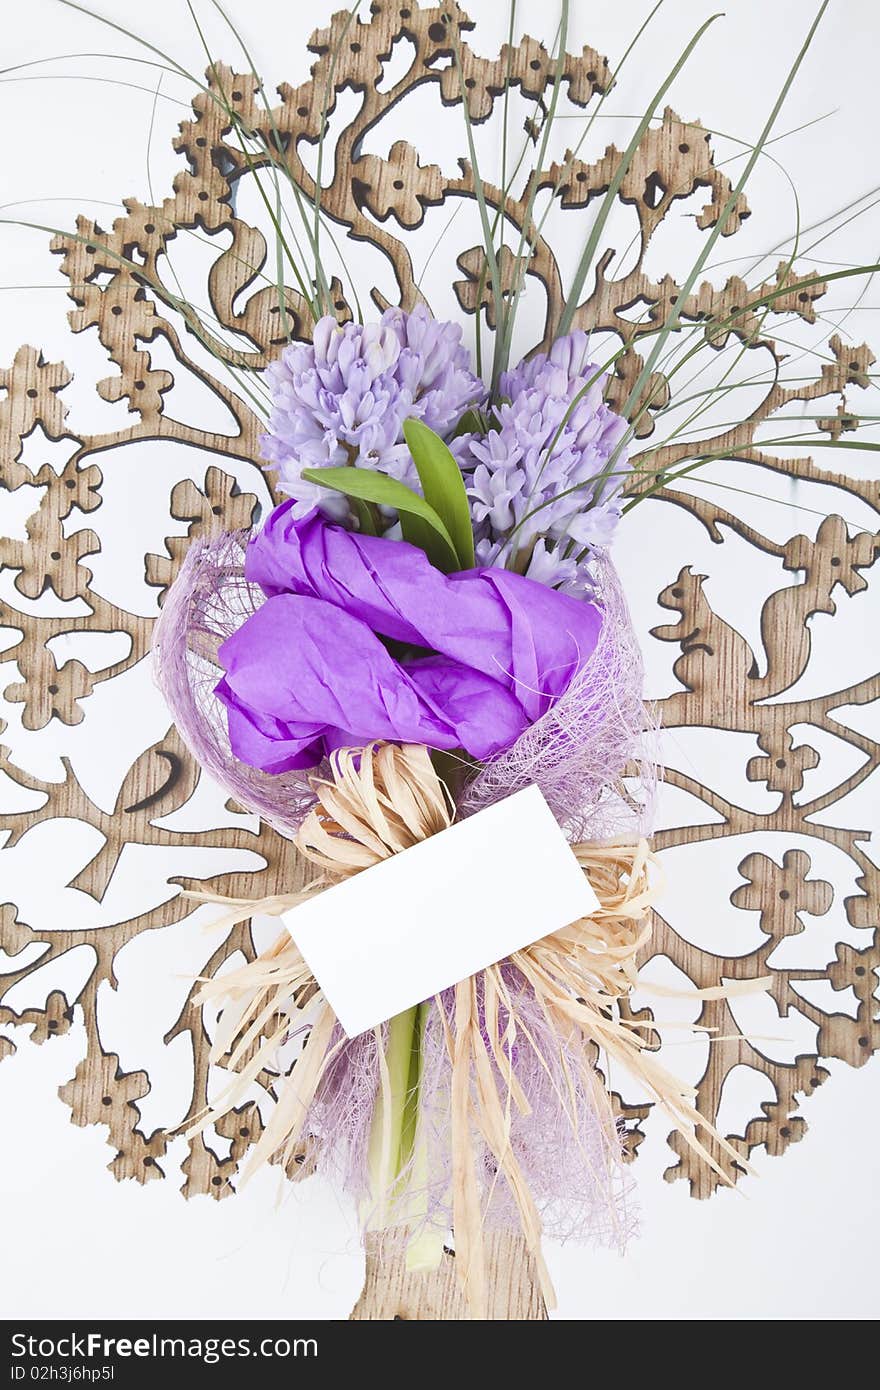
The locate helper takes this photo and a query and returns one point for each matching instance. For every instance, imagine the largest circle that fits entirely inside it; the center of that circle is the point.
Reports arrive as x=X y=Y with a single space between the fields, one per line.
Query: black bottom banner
x=127 y=1353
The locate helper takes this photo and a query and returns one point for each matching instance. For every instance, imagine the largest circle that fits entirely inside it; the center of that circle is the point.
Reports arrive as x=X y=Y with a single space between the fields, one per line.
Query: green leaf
x=443 y=486
x=420 y=534
x=417 y=517
x=472 y=422
x=366 y=515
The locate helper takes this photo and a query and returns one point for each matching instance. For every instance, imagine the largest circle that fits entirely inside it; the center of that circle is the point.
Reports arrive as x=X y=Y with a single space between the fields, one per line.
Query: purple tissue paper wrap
x=361 y=638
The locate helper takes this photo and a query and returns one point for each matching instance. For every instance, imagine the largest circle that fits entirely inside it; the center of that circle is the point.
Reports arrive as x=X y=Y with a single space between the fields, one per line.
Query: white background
x=795 y=1243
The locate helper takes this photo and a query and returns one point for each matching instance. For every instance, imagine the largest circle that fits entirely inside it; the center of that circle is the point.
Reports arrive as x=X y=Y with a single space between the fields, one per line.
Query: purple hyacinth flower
x=544 y=482
x=343 y=398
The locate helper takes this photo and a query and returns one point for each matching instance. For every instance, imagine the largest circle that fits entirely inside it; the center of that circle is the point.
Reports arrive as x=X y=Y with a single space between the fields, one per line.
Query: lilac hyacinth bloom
x=535 y=480
x=343 y=398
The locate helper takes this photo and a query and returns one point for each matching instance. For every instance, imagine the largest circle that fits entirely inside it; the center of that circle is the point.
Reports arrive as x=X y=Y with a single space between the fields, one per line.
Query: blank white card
x=398 y=933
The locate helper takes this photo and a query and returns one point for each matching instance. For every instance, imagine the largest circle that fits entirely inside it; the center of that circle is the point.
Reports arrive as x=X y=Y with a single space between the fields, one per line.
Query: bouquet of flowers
x=419 y=667
x=427 y=626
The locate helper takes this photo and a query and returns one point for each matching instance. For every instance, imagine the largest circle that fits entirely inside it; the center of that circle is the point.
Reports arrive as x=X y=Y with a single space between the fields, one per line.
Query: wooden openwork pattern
x=122 y=290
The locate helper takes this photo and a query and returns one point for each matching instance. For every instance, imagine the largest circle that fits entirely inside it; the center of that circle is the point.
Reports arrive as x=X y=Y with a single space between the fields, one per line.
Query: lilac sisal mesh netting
x=208 y=601
x=569 y=1156
x=591 y=757
x=592 y=753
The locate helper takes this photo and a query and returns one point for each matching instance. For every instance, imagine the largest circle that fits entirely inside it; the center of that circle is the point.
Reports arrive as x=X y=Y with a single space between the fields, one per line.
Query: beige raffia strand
x=376 y=803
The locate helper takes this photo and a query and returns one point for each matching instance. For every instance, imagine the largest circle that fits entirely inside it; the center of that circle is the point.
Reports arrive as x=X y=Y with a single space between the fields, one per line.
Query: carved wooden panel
x=123 y=289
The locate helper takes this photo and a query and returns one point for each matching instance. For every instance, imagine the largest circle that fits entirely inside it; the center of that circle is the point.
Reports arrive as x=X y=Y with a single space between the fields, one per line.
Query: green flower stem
x=397 y=1144
x=391 y=1116
x=410 y=1116
x=424 y=1250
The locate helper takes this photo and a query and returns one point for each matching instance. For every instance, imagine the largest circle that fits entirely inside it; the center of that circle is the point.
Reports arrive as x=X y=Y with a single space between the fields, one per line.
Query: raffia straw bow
x=380 y=801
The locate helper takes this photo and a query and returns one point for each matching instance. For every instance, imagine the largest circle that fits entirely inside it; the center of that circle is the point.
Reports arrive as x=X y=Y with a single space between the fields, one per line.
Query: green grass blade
x=608 y=201
x=323 y=287
x=699 y=263
x=479 y=191
x=507 y=320
x=568 y=164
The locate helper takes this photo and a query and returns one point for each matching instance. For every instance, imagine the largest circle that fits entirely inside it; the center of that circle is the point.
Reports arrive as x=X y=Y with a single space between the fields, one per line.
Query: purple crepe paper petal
x=506 y=647
x=301 y=668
